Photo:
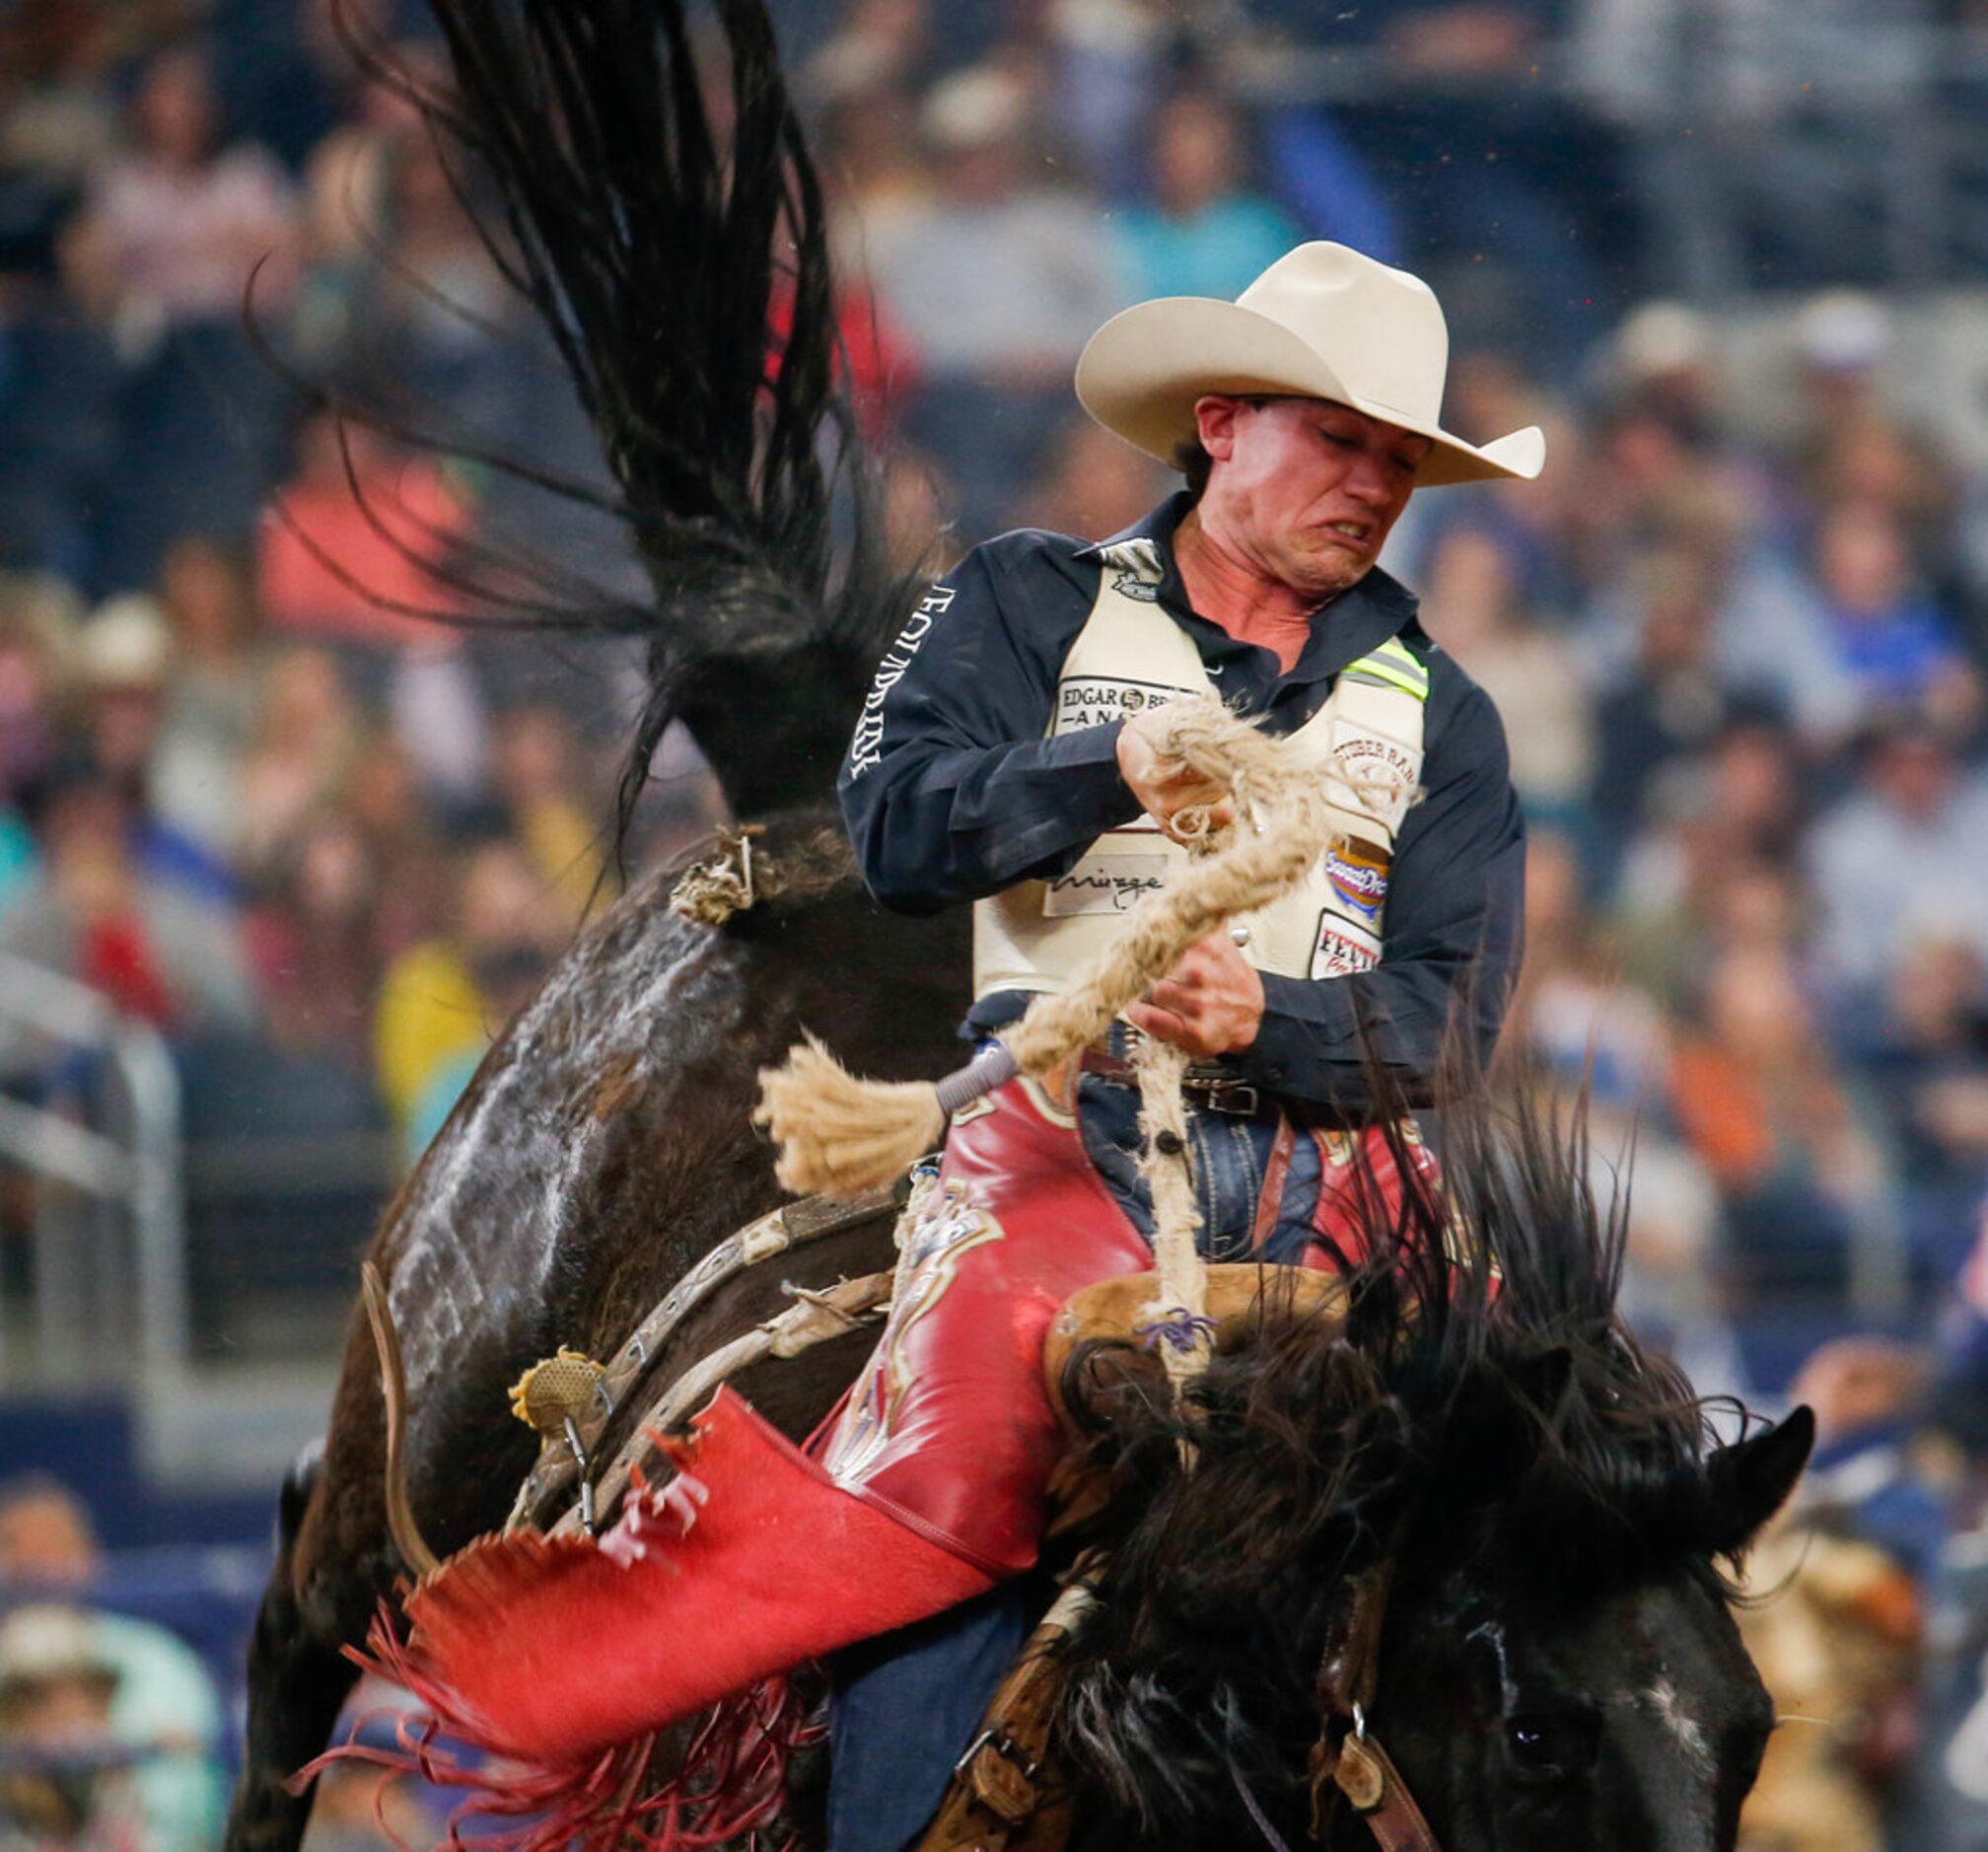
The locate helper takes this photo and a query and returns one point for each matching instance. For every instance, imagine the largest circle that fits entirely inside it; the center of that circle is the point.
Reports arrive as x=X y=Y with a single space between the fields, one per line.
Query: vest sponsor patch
x=1358 y=873
x=1381 y=772
x=1343 y=950
x=1098 y=700
x=867 y=748
x=1104 y=884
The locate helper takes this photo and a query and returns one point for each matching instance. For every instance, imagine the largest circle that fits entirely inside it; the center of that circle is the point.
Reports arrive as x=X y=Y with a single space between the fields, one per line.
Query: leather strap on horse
x=999 y=1799
x=796 y=1224
x=1348 y=1760
x=1365 y=1773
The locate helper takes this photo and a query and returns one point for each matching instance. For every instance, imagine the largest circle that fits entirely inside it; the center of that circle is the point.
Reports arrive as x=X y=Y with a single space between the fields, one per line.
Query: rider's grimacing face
x=1306 y=489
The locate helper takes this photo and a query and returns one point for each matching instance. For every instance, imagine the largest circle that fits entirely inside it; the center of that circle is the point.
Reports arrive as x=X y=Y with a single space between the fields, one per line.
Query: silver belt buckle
x=1235 y=1098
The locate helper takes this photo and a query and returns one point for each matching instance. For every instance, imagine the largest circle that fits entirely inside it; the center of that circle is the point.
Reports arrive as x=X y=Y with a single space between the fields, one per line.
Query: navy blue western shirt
x=951 y=791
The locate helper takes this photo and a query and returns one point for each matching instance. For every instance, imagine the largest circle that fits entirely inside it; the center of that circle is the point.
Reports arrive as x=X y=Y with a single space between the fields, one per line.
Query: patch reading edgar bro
x=1098 y=700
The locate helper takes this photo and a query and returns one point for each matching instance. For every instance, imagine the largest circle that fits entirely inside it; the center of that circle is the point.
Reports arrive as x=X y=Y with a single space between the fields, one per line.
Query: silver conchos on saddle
x=1365 y=740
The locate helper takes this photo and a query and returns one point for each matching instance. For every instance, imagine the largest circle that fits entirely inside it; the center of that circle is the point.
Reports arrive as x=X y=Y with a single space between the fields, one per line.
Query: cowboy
x=1008 y=756
x=1011 y=754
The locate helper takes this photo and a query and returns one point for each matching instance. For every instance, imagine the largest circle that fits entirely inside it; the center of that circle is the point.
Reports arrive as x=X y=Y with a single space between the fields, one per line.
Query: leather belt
x=1211 y=1089
x=1215 y=1090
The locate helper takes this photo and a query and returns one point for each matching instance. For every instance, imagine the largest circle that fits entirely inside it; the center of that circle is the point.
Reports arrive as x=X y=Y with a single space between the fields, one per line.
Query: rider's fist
x=1210 y=1003
x=1163 y=785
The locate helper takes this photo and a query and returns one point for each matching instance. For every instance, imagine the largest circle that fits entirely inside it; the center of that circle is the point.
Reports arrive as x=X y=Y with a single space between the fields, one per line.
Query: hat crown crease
x=1324 y=322
x=1382 y=326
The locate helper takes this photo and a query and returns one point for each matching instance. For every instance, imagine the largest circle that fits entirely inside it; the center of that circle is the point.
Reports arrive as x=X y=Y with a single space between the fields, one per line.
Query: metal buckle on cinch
x=1006 y=1786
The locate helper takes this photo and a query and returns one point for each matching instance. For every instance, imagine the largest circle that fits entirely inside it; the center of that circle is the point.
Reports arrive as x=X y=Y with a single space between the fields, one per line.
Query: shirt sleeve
x=950 y=789
x=1453 y=940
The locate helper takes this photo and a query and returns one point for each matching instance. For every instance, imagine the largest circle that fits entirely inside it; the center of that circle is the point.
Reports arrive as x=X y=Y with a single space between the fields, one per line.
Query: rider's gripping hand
x=1163 y=785
x=1210 y=1003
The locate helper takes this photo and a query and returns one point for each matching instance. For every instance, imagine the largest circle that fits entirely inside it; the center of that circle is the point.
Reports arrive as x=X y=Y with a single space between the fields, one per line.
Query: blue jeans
x=906 y=1705
x=904 y=1709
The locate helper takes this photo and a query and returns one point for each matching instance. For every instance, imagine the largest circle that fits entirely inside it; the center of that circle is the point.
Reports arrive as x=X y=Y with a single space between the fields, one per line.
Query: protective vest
x=1365 y=740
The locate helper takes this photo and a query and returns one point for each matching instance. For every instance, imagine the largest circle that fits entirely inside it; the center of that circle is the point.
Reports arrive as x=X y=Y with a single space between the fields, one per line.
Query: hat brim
x=1143 y=371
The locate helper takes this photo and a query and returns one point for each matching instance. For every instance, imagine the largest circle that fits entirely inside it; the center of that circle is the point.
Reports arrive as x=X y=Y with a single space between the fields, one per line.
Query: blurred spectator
x=47 y=1544
x=1850 y=443
x=874 y=172
x=68 y=1781
x=1784 y=1134
x=58 y=390
x=350 y=184
x=444 y=1000
x=158 y=953
x=1897 y=647
x=428 y=308
x=1602 y=1038
x=1867 y=640
x=58 y=115
x=1833 y=1627
x=1711 y=868
x=1447 y=119
x=183 y=216
x=37 y=624
x=301 y=758
x=1000 y=276
x=282 y=69
x=1924 y=1049
x=1202 y=233
x=1093 y=485
x=1865 y=1479
x=383 y=797
x=998 y=283
x=343 y=546
x=1900 y=857
x=1849 y=1563
x=125 y=662
x=1669 y=702
x=877 y=45
x=1111 y=57
x=213 y=695
x=313 y=942
x=146 y=1705
x=1572 y=1009
x=162 y=257
x=552 y=811
x=914 y=512
x=1663 y=362
x=1655 y=482
x=878 y=365
x=1470 y=584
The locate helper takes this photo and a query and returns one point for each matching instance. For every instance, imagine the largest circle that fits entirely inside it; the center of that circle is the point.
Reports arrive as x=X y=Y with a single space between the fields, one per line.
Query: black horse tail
x=657 y=206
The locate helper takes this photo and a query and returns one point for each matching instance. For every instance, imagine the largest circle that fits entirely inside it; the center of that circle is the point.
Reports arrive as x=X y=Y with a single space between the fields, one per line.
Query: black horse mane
x=656 y=206
x=1475 y=1404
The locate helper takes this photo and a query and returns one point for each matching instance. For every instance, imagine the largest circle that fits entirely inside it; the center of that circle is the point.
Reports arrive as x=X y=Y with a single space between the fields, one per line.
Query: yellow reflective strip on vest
x=1395 y=666
x=1399 y=653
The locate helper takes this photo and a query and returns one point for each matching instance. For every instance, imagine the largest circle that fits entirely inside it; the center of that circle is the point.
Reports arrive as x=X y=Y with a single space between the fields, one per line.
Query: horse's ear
x=1750 y=1480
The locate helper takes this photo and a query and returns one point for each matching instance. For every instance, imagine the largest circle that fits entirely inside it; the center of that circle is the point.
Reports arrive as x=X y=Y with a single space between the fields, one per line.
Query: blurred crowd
x=326 y=845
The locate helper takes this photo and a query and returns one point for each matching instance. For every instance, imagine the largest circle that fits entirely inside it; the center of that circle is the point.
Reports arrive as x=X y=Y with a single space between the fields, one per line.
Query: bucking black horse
x=1557 y=1666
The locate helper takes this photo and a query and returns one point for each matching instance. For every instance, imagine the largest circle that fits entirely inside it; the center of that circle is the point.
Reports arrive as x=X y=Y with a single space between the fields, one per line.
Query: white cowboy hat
x=1323 y=322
